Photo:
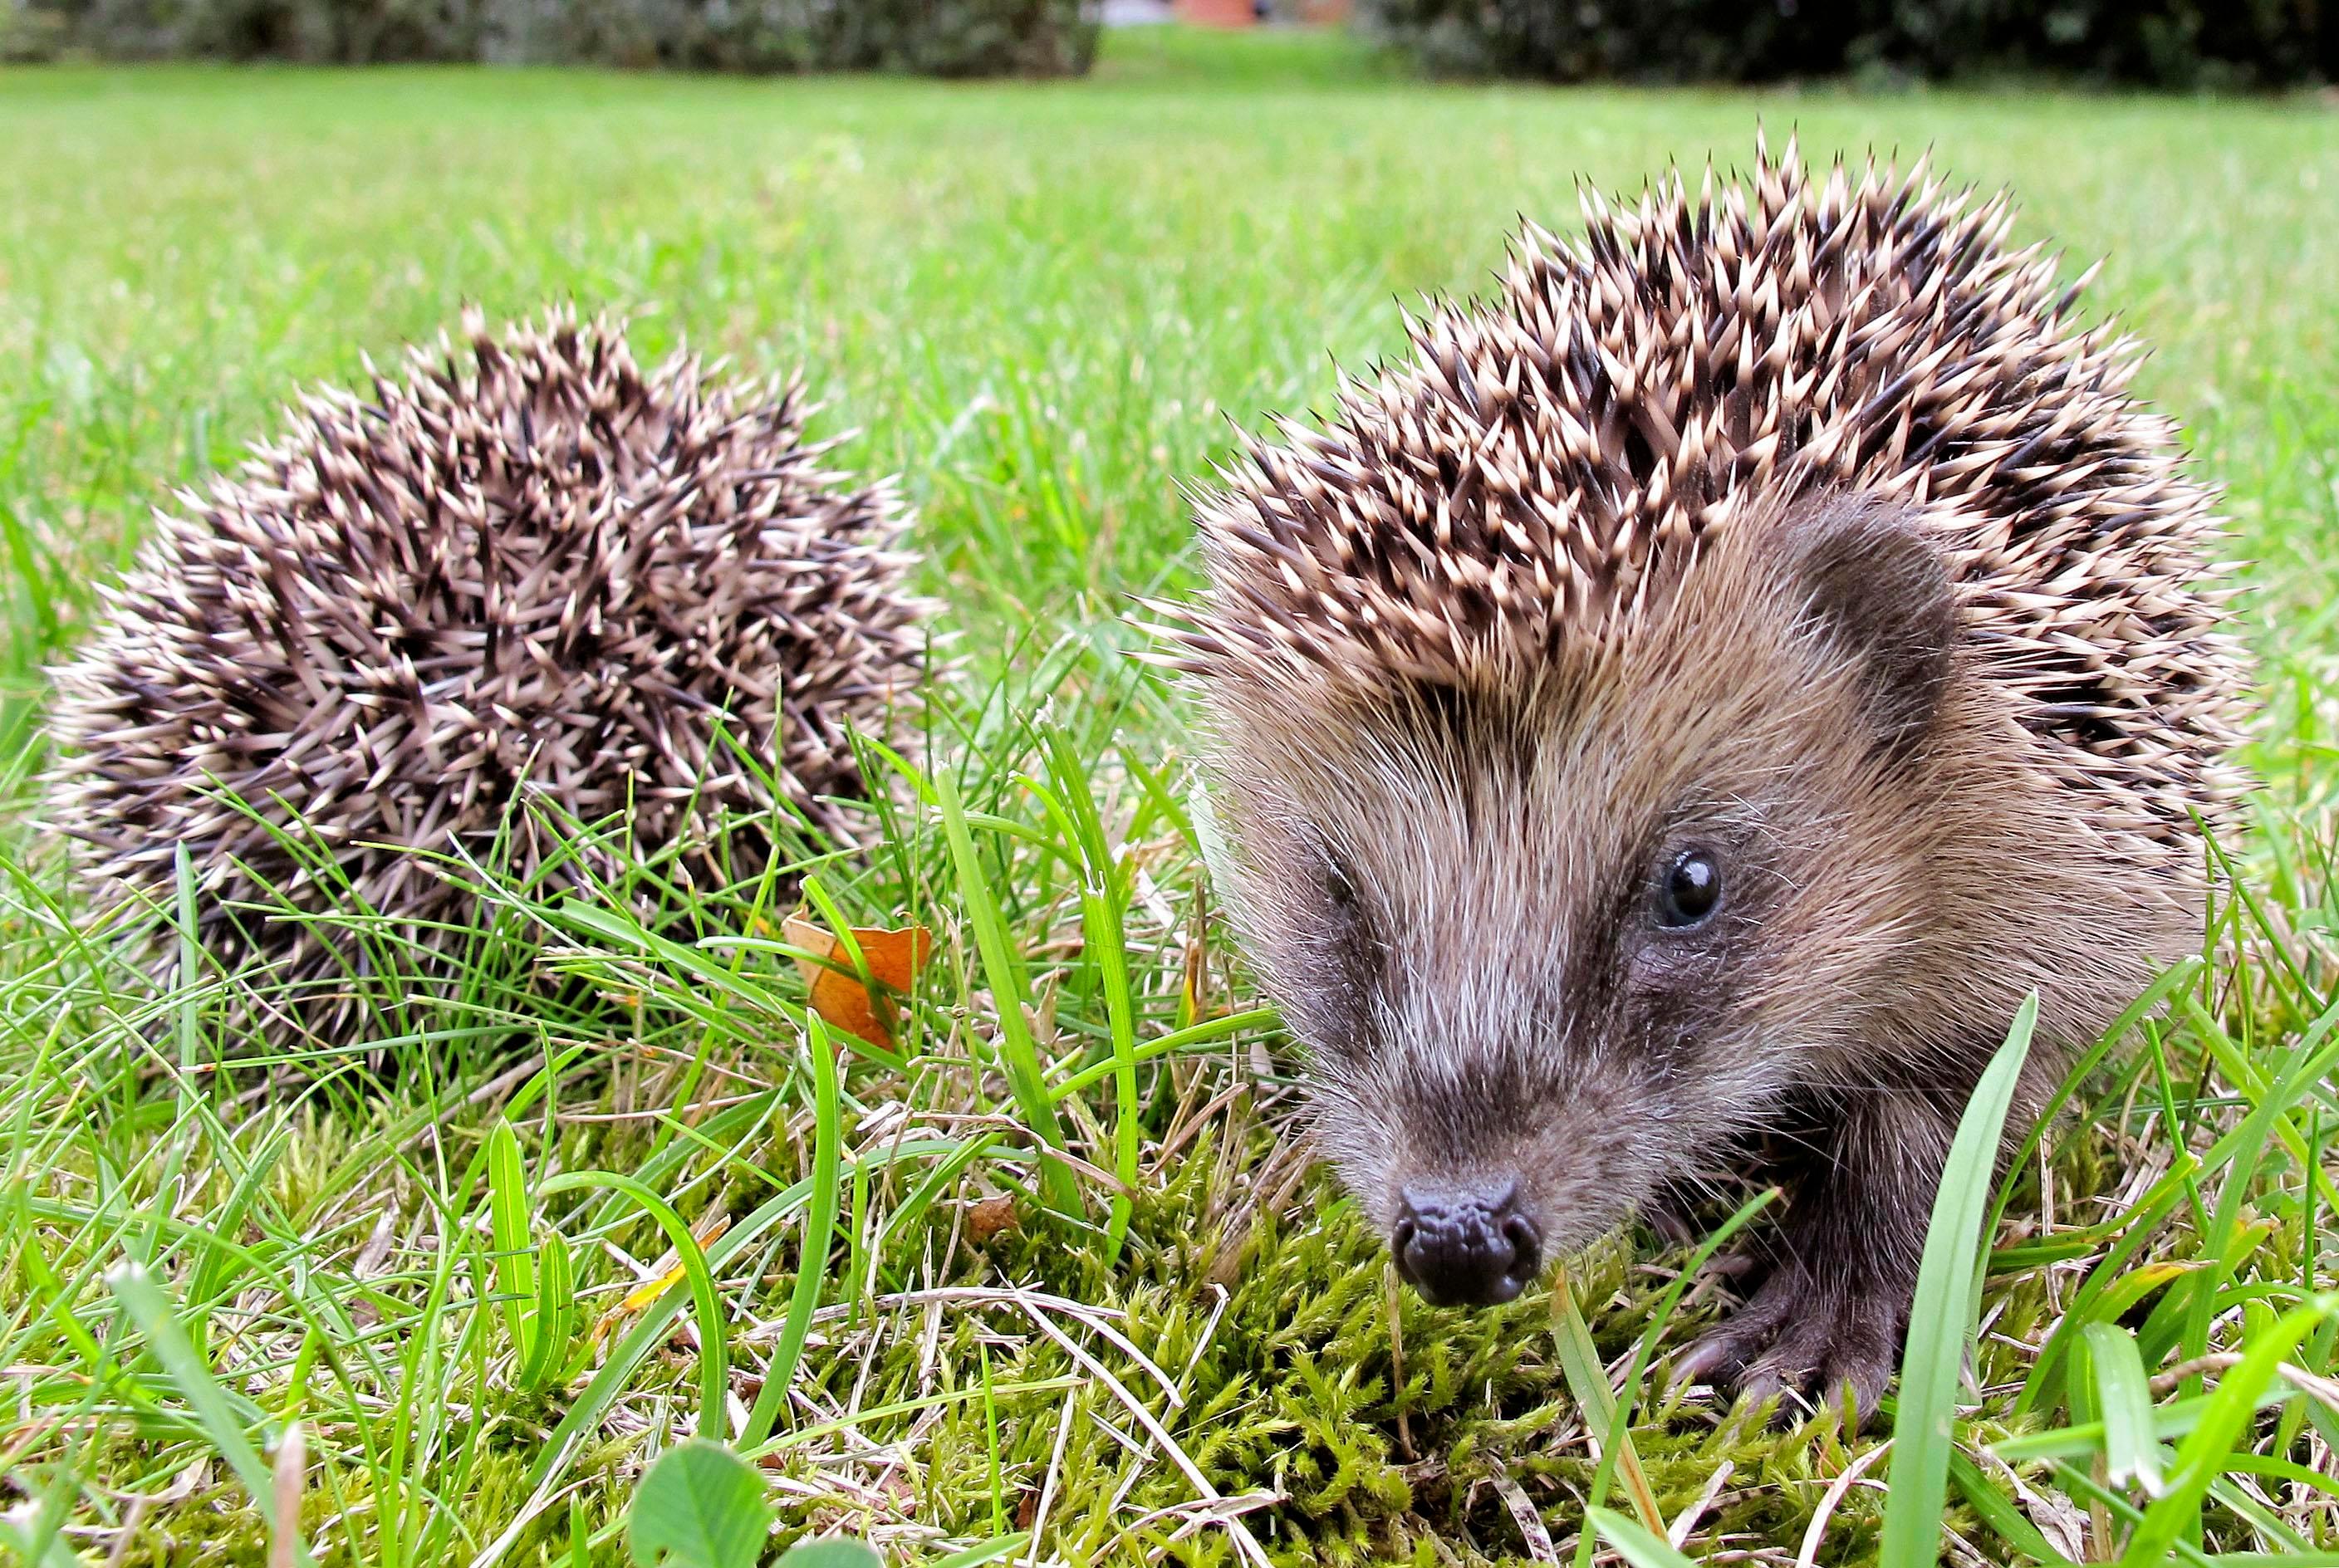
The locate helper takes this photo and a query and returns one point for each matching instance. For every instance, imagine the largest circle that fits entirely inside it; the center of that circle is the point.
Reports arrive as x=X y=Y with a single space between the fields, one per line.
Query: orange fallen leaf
x=894 y=958
x=989 y=1218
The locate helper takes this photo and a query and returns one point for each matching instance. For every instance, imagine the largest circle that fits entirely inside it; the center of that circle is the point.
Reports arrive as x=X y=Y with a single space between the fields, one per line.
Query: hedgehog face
x=1545 y=945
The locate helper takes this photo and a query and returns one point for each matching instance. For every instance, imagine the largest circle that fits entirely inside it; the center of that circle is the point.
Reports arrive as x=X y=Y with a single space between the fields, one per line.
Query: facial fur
x=1459 y=896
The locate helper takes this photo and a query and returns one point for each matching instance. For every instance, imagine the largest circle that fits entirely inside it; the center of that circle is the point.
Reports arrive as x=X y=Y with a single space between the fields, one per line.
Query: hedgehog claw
x=1799 y=1338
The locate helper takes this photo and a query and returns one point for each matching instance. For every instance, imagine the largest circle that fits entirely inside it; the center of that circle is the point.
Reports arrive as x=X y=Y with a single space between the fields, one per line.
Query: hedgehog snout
x=1465 y=1246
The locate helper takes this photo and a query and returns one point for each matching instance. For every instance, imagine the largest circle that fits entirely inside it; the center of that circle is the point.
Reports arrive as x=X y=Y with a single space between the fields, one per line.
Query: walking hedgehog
x=1697 y=695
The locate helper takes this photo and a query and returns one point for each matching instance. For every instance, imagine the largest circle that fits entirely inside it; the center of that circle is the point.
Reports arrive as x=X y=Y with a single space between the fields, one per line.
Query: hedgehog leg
x=1827 y=1321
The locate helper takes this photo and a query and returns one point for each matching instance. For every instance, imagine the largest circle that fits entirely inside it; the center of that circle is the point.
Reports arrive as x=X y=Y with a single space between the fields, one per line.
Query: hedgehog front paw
x=1810 y=1340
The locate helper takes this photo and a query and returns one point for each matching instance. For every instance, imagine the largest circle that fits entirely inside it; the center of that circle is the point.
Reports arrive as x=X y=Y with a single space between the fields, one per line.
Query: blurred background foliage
x=2165 y=43
x=2176 y=45
x=931 y=37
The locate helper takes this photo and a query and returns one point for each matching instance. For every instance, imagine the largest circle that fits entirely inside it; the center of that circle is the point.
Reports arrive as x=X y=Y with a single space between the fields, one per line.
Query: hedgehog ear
x=1877 y=590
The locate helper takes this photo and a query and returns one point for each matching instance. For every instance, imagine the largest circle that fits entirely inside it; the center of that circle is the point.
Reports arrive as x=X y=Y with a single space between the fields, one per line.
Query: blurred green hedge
x=935 y=37
x=2168 y=43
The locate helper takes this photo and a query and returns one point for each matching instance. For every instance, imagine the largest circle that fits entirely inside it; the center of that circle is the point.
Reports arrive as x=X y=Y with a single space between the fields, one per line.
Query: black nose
x=1461 y=1247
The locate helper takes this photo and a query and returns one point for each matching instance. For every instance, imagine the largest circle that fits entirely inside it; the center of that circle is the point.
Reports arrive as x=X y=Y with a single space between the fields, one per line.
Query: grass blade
x=592 y=1403
x=1019 y=1055
x=1587 y=1379
x=714 y=1347
x=1997 y=1510
x=1104 y=898
x=19 y=1534
x=553 y=1330
x=2124 y=1399
x=820 y=1226
x=990 y=1551
x=1638 y=1546
x=1618 y=1445
x=1949 y=1282
x=151 y=1309
x=2201 y=1460
x=508 y=1232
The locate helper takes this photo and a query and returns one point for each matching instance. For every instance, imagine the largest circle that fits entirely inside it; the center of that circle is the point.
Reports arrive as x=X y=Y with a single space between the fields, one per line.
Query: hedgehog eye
x=1689 y=891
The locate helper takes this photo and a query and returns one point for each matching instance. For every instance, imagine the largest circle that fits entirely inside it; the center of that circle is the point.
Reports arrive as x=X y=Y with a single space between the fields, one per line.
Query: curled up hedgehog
x=525 y=572
x=1691 y=701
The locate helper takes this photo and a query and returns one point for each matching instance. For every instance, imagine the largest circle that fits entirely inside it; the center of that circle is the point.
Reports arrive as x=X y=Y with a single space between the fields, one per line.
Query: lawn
x=1041 y=305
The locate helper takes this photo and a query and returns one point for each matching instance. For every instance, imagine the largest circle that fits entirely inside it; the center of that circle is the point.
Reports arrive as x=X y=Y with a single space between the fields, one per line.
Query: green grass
x=1039 y=304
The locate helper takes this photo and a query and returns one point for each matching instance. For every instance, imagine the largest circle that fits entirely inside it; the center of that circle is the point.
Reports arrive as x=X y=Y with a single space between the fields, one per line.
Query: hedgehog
x=523 y=574
x=1683 y=707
